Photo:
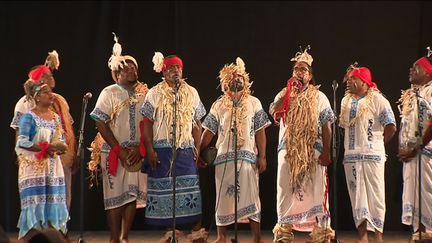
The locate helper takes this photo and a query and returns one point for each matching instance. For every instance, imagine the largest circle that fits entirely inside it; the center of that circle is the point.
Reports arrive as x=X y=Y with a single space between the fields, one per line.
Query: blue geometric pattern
x=351 y=158
x=351 y=130
x=106 y=148
x=369 y=130
x=147 y=110
x=260 y=119
x=292 y=219
x=326 y=115
x=227 y=219
x=159 y=197
x=125 y=197
x=211 y=123
x=200 y=111
x=98 y=115
x=387 y=117
x=132 y=126
x=244 y=155
x=164 y=143
x=361 y=214
x=410 y=209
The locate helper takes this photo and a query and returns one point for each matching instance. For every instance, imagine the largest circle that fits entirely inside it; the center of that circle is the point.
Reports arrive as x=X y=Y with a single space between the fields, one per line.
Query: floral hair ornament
x=231 y=71
x=161 y=63
x=303 y=56
x=52 y=61
x=158 y=62
x=117 y=61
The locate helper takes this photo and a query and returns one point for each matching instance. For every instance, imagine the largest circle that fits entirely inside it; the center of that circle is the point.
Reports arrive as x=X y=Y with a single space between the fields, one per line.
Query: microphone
x=335 y=85
x=177 y=83
x=87 y=96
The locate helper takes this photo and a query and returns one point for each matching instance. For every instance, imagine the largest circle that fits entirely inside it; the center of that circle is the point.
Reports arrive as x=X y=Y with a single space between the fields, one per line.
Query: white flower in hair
x=158 y=60
x=303 y=56
x=52 y=61
x=116 y=60
x=429 y=54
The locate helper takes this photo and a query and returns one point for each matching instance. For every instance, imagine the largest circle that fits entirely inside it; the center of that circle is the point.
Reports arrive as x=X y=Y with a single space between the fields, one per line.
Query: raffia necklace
x=361 y=109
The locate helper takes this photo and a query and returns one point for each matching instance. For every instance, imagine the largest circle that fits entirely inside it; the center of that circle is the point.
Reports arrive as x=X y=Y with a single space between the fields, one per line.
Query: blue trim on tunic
x=242 y=212
x=200 y=111
x=351 y=130
x=260 y=119
x=98 y=115
x=303 y=216
x=147 y=110
x=387 y=117
x=326 y=115
x=211 y=123
x=244 y=155
x=352 y=158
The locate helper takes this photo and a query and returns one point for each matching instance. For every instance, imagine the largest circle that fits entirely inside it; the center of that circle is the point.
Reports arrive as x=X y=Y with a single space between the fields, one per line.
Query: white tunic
x=365 y=156
x=407 y=134
x=220 y=121
x=126 y=186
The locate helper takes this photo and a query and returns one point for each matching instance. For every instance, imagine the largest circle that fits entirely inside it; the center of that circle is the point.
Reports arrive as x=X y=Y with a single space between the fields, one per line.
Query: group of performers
x=148 y=136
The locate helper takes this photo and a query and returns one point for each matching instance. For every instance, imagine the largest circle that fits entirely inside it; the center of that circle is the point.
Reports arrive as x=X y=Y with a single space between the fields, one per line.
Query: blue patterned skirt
x=159 y=196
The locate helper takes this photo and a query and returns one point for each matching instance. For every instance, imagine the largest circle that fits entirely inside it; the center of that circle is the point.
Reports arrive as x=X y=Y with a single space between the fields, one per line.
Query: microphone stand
x=174 y=158
x=80 y=156
x=420 y=136
x=235 y=132
x=334 y=165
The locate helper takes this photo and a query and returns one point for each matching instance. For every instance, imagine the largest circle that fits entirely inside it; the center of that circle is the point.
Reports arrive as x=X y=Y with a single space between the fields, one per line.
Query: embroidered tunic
x=251 y=118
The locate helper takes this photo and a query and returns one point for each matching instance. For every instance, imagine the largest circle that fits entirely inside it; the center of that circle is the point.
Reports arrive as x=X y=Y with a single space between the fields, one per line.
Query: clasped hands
x=130 y=156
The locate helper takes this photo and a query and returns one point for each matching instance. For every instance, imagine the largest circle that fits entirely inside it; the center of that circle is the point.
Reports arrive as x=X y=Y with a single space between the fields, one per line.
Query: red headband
x=365 y=75
x=425 y=64
x=172 y=61
x=36 y=74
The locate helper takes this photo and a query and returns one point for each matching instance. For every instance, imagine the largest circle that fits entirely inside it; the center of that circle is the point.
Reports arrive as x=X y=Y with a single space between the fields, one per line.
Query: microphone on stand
x=87 y=96
x=177 y=83
x=235 y=86
x=335 y=85
x=80 y=156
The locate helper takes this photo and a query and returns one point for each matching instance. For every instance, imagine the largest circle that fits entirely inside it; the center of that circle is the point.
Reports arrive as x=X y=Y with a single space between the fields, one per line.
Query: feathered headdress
x=303 y=56
x=52 y=61
x=117 y=61
x=230 y=71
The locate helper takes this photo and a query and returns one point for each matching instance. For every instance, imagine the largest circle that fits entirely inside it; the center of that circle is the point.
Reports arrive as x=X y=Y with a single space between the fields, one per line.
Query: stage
x=243 y=236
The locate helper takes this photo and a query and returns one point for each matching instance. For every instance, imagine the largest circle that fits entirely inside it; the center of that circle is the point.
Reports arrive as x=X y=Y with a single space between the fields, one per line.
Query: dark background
x=385 y=36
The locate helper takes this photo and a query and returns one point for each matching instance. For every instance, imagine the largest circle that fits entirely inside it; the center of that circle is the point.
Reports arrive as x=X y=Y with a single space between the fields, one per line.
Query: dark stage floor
x=243 y=236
